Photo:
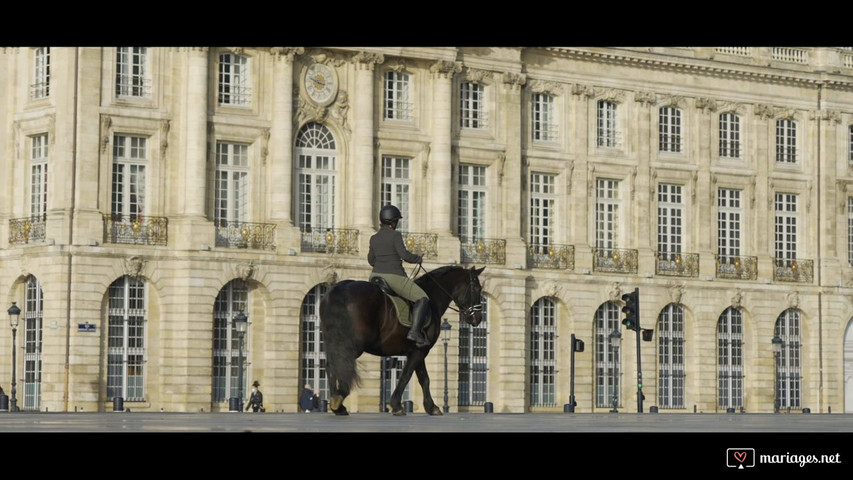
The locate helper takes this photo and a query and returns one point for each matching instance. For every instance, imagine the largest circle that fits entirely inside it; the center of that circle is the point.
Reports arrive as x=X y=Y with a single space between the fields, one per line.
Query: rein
x=470 y=311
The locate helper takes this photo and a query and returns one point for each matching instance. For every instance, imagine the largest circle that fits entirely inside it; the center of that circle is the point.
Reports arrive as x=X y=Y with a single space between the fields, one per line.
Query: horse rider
x=386 y=255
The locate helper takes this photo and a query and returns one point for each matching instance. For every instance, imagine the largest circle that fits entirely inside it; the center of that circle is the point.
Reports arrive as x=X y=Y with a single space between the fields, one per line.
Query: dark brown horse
x=357 y=317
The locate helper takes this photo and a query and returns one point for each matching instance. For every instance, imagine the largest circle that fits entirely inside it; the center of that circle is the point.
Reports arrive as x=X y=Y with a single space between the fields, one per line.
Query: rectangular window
x=728 y=224
x=471 y=210
x=126 y=340
x=670 y=336
x=729 y=135
x=669 y=130
x=786 y=228
x=543 y=198
x=543 y=366
x=544 y=120
x=234 y=86
x=397 y=103
x=231 y=190
x=40 y=87
x=606 y=133
x=38 y=176
x=33 y=319
x=128 y=184
x=606 y=214
x=316 y=176
x=472 y=106
x=786 y=141
x=396 y=183
x=670 y=220
x=607 y=356
x=132 y=72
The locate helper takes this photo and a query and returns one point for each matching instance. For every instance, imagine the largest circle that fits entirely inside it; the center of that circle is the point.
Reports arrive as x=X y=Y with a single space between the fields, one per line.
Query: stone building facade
x=152 y=194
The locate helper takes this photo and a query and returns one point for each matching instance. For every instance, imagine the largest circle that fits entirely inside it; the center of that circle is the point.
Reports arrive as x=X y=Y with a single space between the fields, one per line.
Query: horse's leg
x=397 y=396
x=336 y=402
x=423 y=377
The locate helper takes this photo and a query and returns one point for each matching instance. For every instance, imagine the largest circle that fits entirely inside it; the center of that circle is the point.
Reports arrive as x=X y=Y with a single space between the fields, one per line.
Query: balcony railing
x=424 y=244
x=737 y=268
x=255 y=236
x=27 y=229
x=614 y=260
x=551 y=256
x=136 y=230
x=793 y=270
x=677 y=264
x=341 y=241
x=483 y=250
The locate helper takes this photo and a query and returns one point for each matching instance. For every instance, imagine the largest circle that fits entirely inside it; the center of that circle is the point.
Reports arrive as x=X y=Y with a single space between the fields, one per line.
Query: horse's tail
x=338 y=335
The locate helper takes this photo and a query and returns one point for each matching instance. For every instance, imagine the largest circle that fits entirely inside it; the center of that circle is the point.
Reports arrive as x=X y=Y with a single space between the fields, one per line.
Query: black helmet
x=389 y=215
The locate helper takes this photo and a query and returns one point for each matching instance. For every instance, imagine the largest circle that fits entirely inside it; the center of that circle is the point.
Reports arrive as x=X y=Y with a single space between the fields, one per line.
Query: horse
x=358 y=317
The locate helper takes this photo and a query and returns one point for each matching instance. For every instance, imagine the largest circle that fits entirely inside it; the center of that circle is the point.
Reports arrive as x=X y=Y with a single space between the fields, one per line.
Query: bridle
x=468 y=312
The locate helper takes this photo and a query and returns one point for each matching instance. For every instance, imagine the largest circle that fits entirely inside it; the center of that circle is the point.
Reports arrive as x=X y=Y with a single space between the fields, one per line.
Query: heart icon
x=740 y=456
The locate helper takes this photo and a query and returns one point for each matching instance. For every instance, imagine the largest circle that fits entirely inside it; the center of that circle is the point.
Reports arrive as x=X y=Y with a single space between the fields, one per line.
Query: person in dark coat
x=306 y=399
x=256 y=399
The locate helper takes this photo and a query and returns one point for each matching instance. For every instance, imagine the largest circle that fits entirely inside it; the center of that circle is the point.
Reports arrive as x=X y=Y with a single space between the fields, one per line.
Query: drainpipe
x=819 y=250
x=66 y=391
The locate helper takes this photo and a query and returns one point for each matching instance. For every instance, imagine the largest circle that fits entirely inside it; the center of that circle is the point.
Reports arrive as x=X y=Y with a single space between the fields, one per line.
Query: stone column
x=440 y=169
x=643 y=183
x=363 y=163
x=195 y=128
x=511 y=171
x=281 y=149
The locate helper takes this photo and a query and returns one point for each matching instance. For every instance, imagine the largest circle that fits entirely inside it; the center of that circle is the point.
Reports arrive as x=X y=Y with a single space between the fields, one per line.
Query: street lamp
x=14 y=316
x=777 y=352
x=445 y=337
x=240 y=324
x=615 y=340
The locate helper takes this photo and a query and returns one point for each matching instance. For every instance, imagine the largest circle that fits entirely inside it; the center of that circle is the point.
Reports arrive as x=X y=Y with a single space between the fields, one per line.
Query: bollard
x=807 y=410
x=568 y=408
x=408 y=406
x=233 y=404
x=653 y=409
x=324 y=406
x=118 y=404
x=730 y=410
x=488 y=407
x=4 y=403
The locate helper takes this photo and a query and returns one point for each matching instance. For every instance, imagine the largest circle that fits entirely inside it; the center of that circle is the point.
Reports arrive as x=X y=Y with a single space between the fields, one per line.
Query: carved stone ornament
x=611 y=95
x=501 y=161
x=673 y=101
x=367 y=60
x=763 y=111
x=106 y=122
x=737 y=299
x=245 y=271
x=583 y=90
x=165 y=126
x=676 y=291
x=793 y=299
x=445 y=68
x=514 y=80
x=340 y=110
x=286 y=53
x=645 y=98
x=133 y=266
x=615 y=291
x=330 y=275
x=476 y=75
x=552 y=289
x=706 y=104
x=831 y=116
x=544 y=86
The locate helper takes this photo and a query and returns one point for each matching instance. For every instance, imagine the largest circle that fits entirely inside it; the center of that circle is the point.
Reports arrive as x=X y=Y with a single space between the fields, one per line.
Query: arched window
x=126 y=339
x=231 y=300
x=671 y=357
x=313 y=351
x=730 y=359
x=316 y=174
x=608 y=356
x=788 y=363
x=474 y=360
x=543 y=361
x=33 y=318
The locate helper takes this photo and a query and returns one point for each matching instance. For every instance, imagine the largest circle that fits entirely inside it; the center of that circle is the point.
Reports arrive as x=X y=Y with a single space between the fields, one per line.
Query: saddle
x=401 y=305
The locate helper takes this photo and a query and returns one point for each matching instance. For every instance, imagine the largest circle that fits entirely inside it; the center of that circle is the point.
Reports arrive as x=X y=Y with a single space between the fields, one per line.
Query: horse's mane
x=438 y=272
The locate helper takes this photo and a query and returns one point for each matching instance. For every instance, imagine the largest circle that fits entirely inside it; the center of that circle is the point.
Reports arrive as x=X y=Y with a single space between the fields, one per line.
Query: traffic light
x=632 y=310
x=578 y=345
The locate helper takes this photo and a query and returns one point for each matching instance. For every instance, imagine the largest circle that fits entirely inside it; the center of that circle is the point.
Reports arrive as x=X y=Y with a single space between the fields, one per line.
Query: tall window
x=231 y=190
x=669 y=129
x=850 y=137
x=316 y=175
x=786 y=140
x=33 y=320
x=41 y=73
x=126 y=339
x=671 y=357
x=132 y=72
x=234 y=82
x=606 y=214
x=670 y=220
x=850 y=230
x=471 y=212
x=543 y=361
x=396 y=183
x=128 y=194
x=729 y=135
x=544 y=119
x=543 y=198
x=786 y=228
x=730 y=359
x=313 y=351
x=788 y=366
x=38 y=176
x=728 y=224
x=608 y=357
x=473 y=360
x=231 y=300
x=606 y=133
x=396 y=98
x=472 y=105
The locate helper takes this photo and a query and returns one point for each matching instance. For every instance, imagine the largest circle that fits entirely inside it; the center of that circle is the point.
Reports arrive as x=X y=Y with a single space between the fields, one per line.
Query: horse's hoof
x=336 y=402
x=399 y=413
x=435 y=411
x=341 y=411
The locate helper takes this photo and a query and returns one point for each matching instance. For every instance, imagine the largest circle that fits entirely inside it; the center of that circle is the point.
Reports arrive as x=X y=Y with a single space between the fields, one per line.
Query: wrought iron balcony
x=677 y=264
x=255 y=236
x=27 y=229
x=614 y=260
x=483 y=250
x=136 y=230
x=793 y=270
x=737 y=268
x=424 y=244
x=551 y=256
x=341 y=241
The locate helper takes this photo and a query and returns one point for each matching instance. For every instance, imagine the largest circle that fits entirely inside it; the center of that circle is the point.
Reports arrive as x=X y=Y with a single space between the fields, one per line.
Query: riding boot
x=420 y=310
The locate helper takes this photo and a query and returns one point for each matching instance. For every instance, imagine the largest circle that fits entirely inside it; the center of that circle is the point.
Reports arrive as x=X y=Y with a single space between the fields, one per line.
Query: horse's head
x=470 y=301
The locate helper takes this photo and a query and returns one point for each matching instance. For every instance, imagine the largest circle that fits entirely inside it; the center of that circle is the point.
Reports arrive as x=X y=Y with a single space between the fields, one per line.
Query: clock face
x=321 y=83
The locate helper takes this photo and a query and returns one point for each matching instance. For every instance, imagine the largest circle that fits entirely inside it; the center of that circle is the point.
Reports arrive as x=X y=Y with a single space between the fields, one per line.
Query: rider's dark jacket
x=387 y=250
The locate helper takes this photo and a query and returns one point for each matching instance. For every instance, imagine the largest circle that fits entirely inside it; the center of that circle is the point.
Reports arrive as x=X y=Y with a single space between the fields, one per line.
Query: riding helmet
x=389 y=215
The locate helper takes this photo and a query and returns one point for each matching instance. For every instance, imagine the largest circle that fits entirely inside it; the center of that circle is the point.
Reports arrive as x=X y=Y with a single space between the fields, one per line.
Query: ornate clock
x=321 y=83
